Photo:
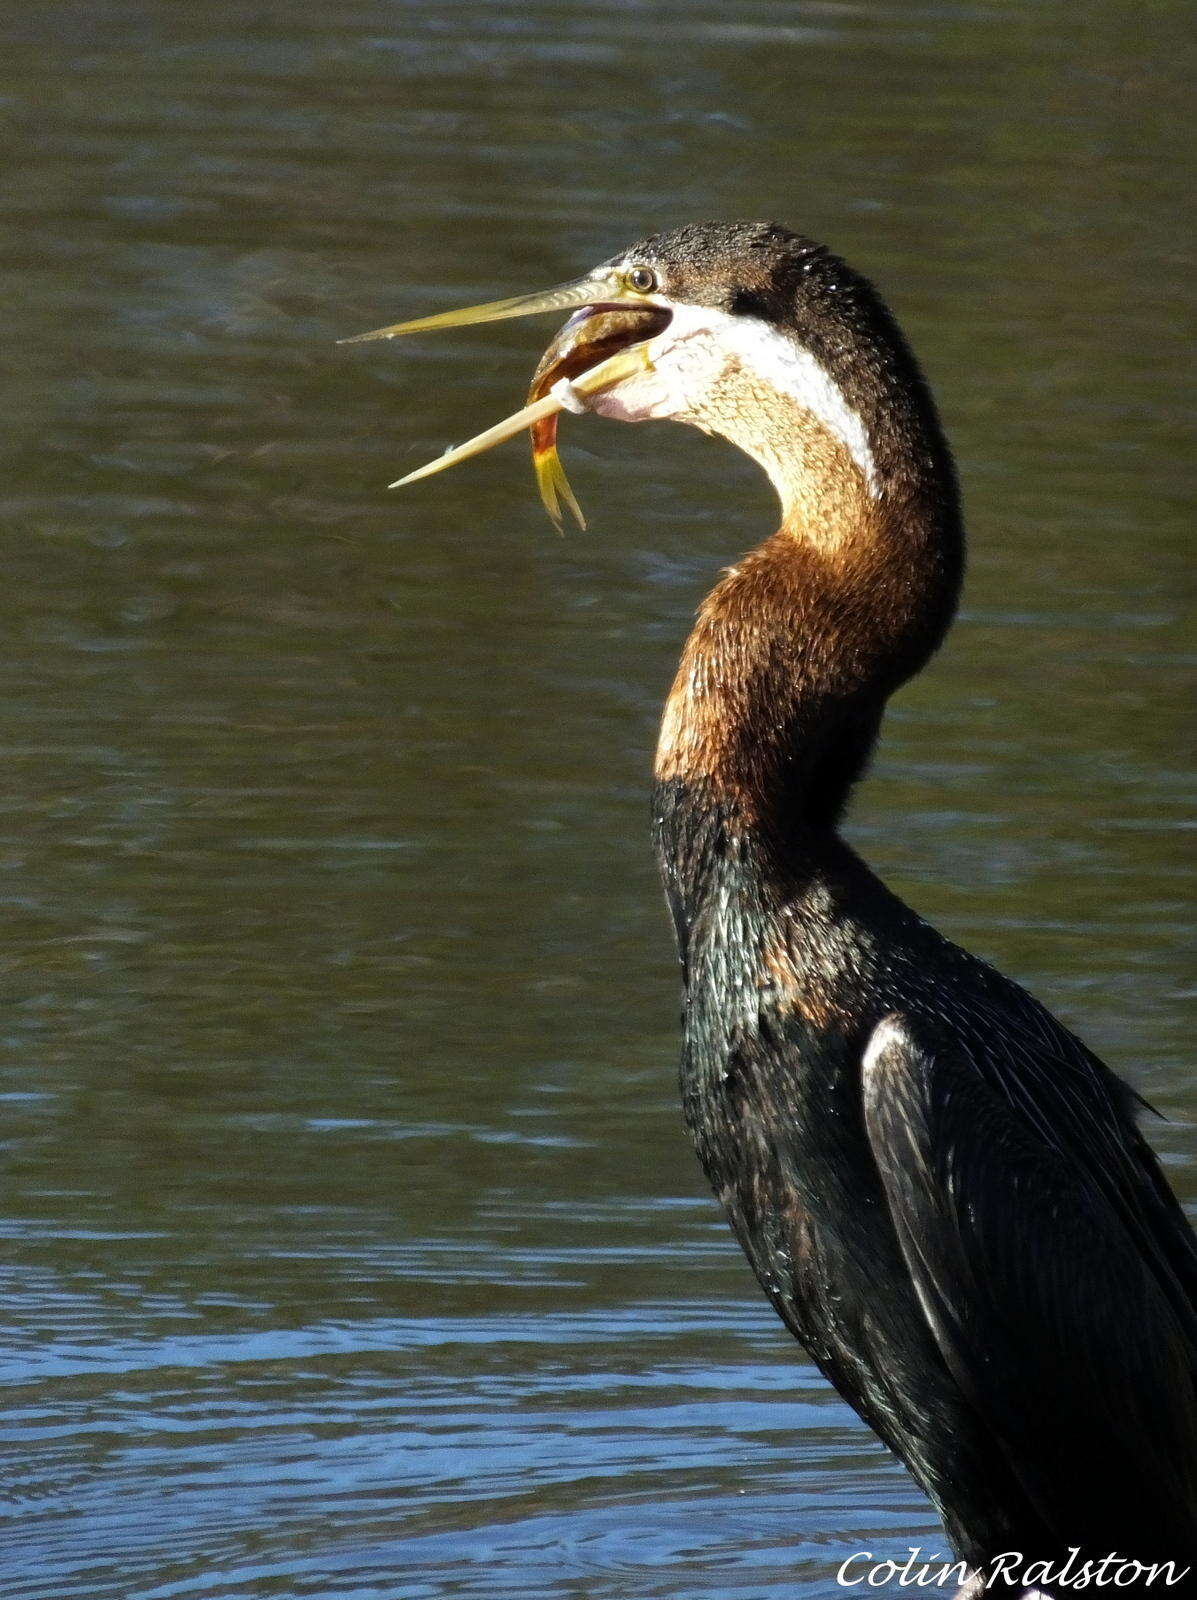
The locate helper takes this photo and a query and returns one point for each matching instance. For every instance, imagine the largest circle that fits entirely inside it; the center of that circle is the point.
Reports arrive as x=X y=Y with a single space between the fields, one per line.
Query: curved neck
x=783 y=681
x=775 y=710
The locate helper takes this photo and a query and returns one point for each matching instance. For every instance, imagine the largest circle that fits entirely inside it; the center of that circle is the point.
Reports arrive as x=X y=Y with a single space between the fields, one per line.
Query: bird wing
x=1052 y=1317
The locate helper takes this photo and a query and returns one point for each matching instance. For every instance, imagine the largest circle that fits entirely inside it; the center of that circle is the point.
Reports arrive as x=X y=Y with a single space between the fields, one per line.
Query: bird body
x=892 y=1126
x=944 y=1193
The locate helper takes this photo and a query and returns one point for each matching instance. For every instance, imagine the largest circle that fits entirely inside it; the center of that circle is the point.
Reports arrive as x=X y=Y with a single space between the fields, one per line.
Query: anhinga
x=942 y=1191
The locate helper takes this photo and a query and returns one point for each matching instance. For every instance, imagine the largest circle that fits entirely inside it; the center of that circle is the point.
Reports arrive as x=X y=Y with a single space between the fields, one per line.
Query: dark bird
x=942 y=1191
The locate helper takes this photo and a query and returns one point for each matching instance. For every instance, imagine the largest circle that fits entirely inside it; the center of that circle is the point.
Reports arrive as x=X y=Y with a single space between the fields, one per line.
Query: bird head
x=744 y=330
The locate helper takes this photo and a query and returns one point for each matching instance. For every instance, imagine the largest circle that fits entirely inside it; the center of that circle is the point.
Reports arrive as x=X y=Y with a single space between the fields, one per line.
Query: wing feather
x=1053 y=1317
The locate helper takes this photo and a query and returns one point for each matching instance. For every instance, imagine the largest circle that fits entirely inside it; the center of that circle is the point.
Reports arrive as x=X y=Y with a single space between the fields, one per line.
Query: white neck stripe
x=785 y=366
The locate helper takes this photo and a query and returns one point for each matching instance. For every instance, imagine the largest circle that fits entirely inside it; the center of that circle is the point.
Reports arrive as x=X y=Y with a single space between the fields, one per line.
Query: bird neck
x=783 y=683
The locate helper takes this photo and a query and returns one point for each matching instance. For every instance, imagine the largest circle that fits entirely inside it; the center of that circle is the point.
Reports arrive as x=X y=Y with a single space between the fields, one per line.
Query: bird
x=944 y=1194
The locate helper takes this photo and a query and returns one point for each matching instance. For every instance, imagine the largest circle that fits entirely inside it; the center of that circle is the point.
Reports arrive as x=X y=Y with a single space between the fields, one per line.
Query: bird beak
x=575 y=367
x=595 y=289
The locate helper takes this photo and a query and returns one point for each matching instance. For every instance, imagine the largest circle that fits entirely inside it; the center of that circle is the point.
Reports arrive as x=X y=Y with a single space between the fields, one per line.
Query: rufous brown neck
x=784 y=678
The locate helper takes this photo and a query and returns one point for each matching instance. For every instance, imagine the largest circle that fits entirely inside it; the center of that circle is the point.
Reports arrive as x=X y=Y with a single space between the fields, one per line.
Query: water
x=354 y=1248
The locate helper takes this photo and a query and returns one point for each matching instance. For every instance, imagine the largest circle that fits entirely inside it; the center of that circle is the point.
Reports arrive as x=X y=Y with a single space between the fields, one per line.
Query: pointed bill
x=596 y=289
x=565 y=396
x=507 y=429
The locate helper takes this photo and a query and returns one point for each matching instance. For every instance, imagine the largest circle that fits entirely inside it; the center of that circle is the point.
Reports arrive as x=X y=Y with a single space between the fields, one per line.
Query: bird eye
x=642 y=279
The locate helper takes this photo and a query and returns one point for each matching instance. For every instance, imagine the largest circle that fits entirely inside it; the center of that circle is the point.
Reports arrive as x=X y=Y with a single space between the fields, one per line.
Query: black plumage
x=943 y=1192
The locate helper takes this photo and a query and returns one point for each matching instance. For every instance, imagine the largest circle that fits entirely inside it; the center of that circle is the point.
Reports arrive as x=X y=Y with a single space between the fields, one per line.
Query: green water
x=354 y=1247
